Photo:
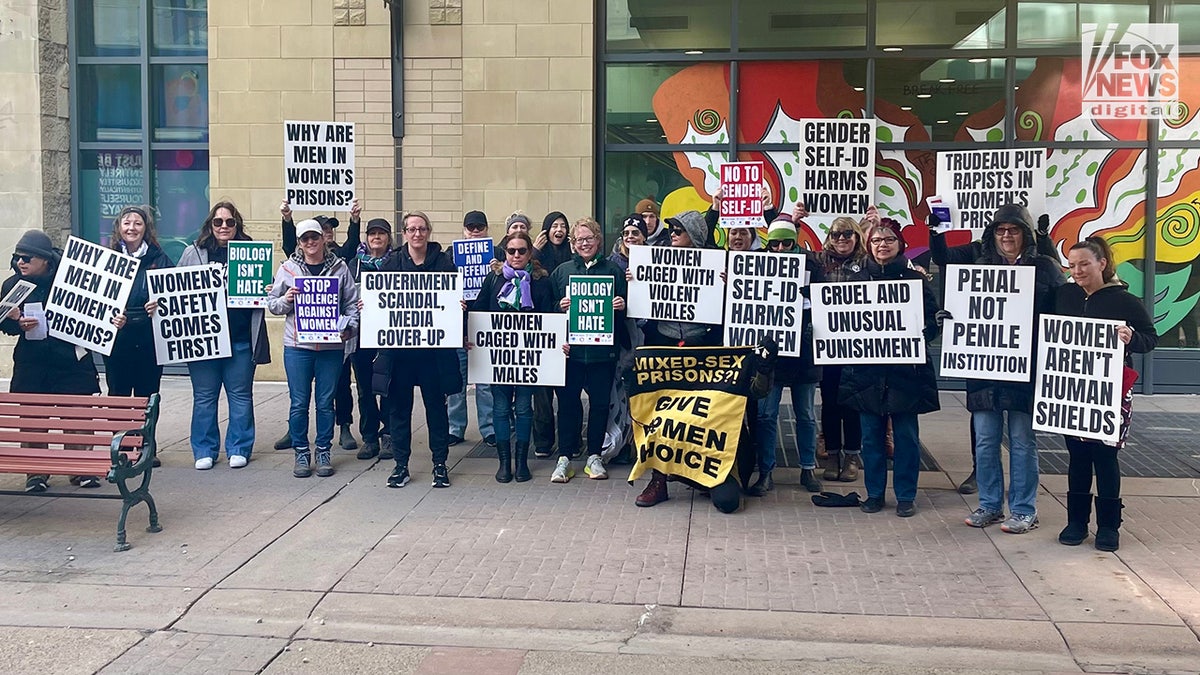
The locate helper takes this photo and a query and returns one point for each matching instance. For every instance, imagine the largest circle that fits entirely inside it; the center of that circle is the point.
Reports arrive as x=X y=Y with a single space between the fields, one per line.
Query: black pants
x=597 y=380
x=1090 y=458
x=543 y=417
x=371 y=415
x=131 y=369
x=843 y=430
x=409 y=372
x=343 y=398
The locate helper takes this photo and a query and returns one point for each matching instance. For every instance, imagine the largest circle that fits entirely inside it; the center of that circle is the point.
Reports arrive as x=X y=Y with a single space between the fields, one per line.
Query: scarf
x=326 y=266
x=369 y=262
x=141 y=251
x=515 y=295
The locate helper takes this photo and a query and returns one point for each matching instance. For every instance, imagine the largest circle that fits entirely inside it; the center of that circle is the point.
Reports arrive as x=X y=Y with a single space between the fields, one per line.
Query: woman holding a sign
x=895 y=391
x=1098 y=294
x=522 y=285
x=248 y=339
x=372 y=416
x=315 y=291
x=131 y=369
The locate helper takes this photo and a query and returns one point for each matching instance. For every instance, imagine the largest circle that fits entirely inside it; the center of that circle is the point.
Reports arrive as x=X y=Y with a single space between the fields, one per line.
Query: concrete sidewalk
x=257 y=571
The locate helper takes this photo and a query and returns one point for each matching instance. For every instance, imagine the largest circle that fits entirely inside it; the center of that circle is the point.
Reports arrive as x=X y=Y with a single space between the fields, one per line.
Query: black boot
x=523 y=462
x=504 y=451
x=762 y=486
x=808 y=478
x=1079 y=514
x=1108 y=521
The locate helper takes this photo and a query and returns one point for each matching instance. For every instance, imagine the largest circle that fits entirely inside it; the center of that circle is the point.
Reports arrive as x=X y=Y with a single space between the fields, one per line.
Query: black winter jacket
x=1111 y=301
x=47 y=366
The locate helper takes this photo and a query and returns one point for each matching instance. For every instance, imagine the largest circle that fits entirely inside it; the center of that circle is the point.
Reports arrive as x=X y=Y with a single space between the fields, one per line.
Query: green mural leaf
x=884 y=134
x=793 y=194
x=1092 y=168
x=887 y=190
x=1051 y=170
x=1082 y=195
x=787 y=168
x=995 y=135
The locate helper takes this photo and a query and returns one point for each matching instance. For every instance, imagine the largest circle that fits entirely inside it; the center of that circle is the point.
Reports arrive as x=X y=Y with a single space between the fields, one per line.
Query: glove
x=766 y=350
x=932 y=221
x=1043 y=224
x=941 y=316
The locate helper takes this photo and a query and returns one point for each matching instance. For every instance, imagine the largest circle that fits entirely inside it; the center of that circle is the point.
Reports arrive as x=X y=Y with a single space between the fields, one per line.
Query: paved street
x=256 y=571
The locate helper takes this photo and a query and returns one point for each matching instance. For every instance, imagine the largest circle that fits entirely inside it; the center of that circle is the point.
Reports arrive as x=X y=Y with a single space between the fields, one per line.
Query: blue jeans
x=767 y=425
x=509 y=400
x=303 y=367
x=236 y=375
x=1022 y=461
x=457 y=404
x=906 y=460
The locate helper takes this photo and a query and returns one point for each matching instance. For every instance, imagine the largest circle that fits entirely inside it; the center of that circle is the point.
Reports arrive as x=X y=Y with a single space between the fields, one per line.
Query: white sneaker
x=204 y=463
x=563 y=471
x=595 y=468
x=236 y=461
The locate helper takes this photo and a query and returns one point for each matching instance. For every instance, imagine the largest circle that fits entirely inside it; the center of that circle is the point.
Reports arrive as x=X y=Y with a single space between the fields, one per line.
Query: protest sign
x=742 y=194
x=90 y=288
x=473 y=257
x=763 y=298
x=318 y=165
x=519 y=348
x=687 y=405
x=249 y=273
x=1079 y=375
x=1131 y=72
x=837 y=166
x=590 y=314
x=676 y=284
x=974 y=183
x=16 y=296
x=857 y=322
x=318 y=307
x=990 y=336
x=190 y=322
x=411 y=309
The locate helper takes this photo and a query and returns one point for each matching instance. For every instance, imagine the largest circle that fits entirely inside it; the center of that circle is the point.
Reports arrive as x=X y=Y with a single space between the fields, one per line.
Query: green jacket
x=599 y=267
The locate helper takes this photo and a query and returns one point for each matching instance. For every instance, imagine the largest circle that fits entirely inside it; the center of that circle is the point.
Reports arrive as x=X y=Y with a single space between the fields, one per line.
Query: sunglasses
x=23 y=258
x=781 y=243
x=310 y=236
x=224 y=222
x=476 y=227
x=517 y=251
x=841 y=234
x=676 y=230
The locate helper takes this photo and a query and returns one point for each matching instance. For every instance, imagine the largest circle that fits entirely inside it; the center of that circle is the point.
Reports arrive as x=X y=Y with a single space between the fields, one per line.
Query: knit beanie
x=36 y=242
x=646 y=205
x=894 y=226
x=693 y=223
x=517 y=218
x=553 y=216
x=636 y=220
x=781 y=229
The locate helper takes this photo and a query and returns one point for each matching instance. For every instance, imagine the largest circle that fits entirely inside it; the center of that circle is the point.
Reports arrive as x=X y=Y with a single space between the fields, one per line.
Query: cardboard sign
x=191 y=322
x=1131 y=72
x=318 y=309
x=857 y=322
x=676 y=284
x=590 y=315
x=518 y=348
x=318 y=165
x=991 y=334
x=16 y=296
x=974 y=183
x=763 y=298
x=411 y=309
x=249 y=273
x=1079 y=375
x=742 y=202
x=473 y=257
x=90 y=288
x=687 y=405
x=837 y=166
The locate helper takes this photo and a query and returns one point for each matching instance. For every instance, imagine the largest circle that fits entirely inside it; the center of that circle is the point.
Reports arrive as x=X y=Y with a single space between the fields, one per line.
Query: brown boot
x=822 y=453
x=655 y=492
x=849 y=472
x=833 y=465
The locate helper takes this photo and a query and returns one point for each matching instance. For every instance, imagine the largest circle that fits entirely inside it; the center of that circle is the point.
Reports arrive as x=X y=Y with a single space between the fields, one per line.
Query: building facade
x=586 y=107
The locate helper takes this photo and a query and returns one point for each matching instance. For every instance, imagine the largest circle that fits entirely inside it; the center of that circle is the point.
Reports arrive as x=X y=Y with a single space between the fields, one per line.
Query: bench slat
x=17 y=410
x=43 y=424
x=75 y=400
x=56 y=467
x=29 y=437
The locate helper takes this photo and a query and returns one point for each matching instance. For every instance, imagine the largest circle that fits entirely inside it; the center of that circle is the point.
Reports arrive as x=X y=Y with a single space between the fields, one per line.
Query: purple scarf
x=515 y=295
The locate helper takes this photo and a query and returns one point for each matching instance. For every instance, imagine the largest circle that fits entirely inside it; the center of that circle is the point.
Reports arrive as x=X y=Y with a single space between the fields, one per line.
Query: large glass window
x=668 y=25
x=960 y=24
x=771 y=25
x=1057 y=24
x=135 y=108
x=953 y=99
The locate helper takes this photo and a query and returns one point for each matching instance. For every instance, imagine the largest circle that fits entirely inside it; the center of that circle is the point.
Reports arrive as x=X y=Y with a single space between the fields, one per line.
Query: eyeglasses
x=1001 y=231
x=883 y=241
x=224 y=222
x=841 y=234
x=475 y=227
x=23 y=258
x=676 y=230
x=416 y=230
x=583 y=240
x=517 y=251
x=781 y=243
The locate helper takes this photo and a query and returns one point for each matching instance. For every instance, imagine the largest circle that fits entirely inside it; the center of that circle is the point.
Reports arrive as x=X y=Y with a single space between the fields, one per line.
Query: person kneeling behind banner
x=689 y=411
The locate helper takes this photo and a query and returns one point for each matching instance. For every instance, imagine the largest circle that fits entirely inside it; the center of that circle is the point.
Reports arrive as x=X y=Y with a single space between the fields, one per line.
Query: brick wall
x=362 y=93
x=433 y=142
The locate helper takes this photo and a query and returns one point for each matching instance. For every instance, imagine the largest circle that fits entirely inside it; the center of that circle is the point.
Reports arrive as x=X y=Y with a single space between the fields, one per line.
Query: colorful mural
x=1090 y=191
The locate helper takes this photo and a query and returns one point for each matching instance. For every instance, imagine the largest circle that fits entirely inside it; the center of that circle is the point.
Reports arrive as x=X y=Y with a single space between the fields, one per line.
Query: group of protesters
x=869 y=412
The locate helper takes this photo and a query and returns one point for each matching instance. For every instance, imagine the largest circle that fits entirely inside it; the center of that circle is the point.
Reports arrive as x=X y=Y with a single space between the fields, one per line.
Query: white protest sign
x=742 y=194
x=1079 y=375
x=1131 y=72
x=90 y=288
x=974 y=183
x=857 y=322
x=676 y=284
x=519 y=348
x=411 y=309
x=190 y=322
x=16 y=296
x=318 y=165
x=991 y=334
x=763 y=298
x=837 y=166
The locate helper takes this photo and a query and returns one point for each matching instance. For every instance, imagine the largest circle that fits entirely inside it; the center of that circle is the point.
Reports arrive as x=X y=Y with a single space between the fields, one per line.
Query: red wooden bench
x=107 y=436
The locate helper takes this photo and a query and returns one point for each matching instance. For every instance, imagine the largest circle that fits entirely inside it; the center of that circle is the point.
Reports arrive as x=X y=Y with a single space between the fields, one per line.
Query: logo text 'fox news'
x=1131 y=71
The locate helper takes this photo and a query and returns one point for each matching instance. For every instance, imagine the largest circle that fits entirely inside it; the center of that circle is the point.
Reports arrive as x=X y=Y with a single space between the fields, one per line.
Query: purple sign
x=318 y=309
